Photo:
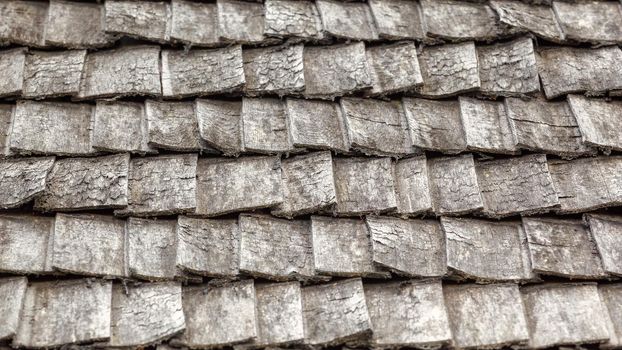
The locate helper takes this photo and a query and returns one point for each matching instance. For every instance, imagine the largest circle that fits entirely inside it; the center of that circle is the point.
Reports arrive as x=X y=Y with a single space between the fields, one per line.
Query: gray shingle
x=486 y=126
x=173 y=126
x=12 y=292
x=194 y=23
x=352 y=21
x=143 y=20
x=448 y=70
x=22 y=179
x=274 y=70
x=219 y=124
x=597 y=22
x=121 y=127
x=316 y=124
x=606 y=231
x=279 y=314
x=611 y=298
x=74 y=24
x=26 y=240
x=397 y=19
x=412 y=188
x=240 y=21
x=293 y=19
x=6 y=116
x=152 y=249
x=599 y=121
x=264 y=126
x=12 y=69
x=394 y=68
x=24 y=22
x=537 y=19
x=453 y=185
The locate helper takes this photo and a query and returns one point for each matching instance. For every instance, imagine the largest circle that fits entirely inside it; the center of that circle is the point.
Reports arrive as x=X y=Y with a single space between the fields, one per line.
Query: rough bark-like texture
x=38 y=125
x=202 y=72
x=335 y=70
x=539 y=20
x=408 y=247
x=487 y=250
x=12 y=70
x=264 y=126
x=520 y=185
x=407 y=313
x=377 y=127
x=308 y=184
x=453 y=185
x=88 y=244
x=397 y=19
x=559 y=314
x=64 y=312
x=562 y=248
x=364 y=185
x=459 y=20
x=126 y=71
x=293 y=19
x=219 y=124
x=152 y=249
x=316 y=124
x=144 y=314
x=588 y=183
x=139 y=19
x=448 y=70
x=276 y=249
x=565 y=70
x=274 y=70
x=508 y=69
x=22 y=179
x=611 y=297
x=86 y=183
x=194 y=23
x=120 y=127
x=220 y=315
x=279 y=314
x=412 y=188
x=208 y=247
x=486 y=316
x=594 y=22
x=12 y=292
x=24 y=242
x=6 y=116
x=606 y=231
x=173 y=126
x=240 y=21
x=352 y=21
x=23 y=22
x=486 y=126
x=233 y=185
x=599 y=121
x=342 y=247
x=435 y=125
x=394 y=68
x=334 y=313
x=76 y=25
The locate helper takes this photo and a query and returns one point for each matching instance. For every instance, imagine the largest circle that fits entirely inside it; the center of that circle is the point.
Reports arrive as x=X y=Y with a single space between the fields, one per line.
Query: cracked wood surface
x=194 y=23
x=352 y=21
x=454 y=188
x=76 y=25
x=486 y=126
x=12 y=64
x=52 y=74
x=316 y=124
x=139 y=19
x=412 y=188
x=173 y=126
x=599 y=121
x=606 y=231
x=397 y=19
x=264 y=126
x=6 y=116
x=394 y=68
x=120 y=127
x=151 y=247
x=599 y=23
x=274 y=70
x=279 y=314
x=293 y=19
x=25 y=243
x=240 y=21
x=220 y=124
x=12 y=293
x=22 y=179
x=537 y=19
x=24 y=22
x=611 y=297
x=428 y=131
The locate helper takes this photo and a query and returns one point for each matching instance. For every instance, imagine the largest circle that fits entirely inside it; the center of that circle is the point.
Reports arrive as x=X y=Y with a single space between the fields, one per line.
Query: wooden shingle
x=173 y=126
x=559 y=314
x=240 y=21
x=412 y=188
x=142 y=20
x=293 y=19
x=120 y=127
x=408 y=247
x=12 y=69
x=562 y=248
x=22 y=179
x=219 y=124
x=12 y=292
x=194 y=23
x=599 y=121
x=520 y=185
x=410 y=313
x=611 y=298
x=316 y=124
x=352 y=21
x=26 y=240
x=274 y=70
x=6 y=116
x=538 y=19
x=78 y=25
x=394 y=68
x=397 y=19
x=152 y=249
x=335 y=313
x=454 y=189
x=264 y=126
x=597 y=22
x=606 y=231
x=486 y=126
x=202 y=72
x=279 y=314
x=448 y=70
x=23 y=22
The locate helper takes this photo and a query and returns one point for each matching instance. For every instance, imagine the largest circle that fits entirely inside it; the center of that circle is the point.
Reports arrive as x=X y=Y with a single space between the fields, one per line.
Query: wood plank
x=453 y=185
x=273 y=70
x=27 y=241
x=448 y=70
x=22 y=179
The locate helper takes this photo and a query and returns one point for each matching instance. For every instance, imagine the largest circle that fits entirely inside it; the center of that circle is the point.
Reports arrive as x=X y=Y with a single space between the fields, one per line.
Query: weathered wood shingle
x=12 y=292
x=448 y=70
x=139 y=19
x=397 y=19
x=606 y=231
x=597 y=22
x=279 y=314
x=611 y=298
x=26 y=241
x=274 y=70
x=412 y=187
x=22 y=179
x=486 y=126
x=293 y=19
x=121 y=127
x=152 y=249
x=394 y=68
x=599 y=121
x=23 y=22
x=12 y=69
x=264 y=126
x=194 y=23
x=219 y=124
x=316 y=124
x=6 y=116
x=537 y=19
x=352 y=21
x=453 y=185
x=76 y=25
x=240 y=21
x=173 y=126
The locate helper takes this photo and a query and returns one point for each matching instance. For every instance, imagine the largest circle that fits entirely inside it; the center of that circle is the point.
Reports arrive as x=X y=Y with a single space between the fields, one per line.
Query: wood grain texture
x=611 y=298
x=12 y=293
x=6 y=116
x=537 y=19
x=240 y=21
x=264 y=126
x=564 y=314
x=408 y=247
x=22 y=179
x=364 y=186
x=24 y=22
x=599 y=121
x=273 y=70
x=173 y=126
x=408 y=313
x=121 y=127
x=316 y=124
x=152 y=249
x=520 y=185
x=12 y=64
x=219 y=124
x=453 y=185
x=194 y=23
x=76 y=25
x=208 y=247
x=486 y=316
x=412 y=188
x=233 y=185
x=599 y=23
x=606 y=231
x=486 y=126
x=202 y=72
x=26 y=241
x=562 y=248
x=448 y=70
x=394 y=68
x=142 y=20
x=46 y=321
x=397 y=19
x=352 y=21
x=335 y=313
x=279 y=314
x=161 y=185
x=293 y=19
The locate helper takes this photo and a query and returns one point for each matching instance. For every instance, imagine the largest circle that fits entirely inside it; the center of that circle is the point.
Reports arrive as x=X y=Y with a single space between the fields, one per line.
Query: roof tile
x=279 y=314
x=293 y=19
x=606 y=231
x=611 y=297
x=274 y=70
x=74 y=24
x=486 y=126
x=397 y=19
x=23 y=22
x=394 y=68
x=121 y=127
x=194 y=23
x=316 y=124
x=142 y=19
x=599 y=121
x=173 y=126
x=347 y=20
x=6 y=115
x=598 y=22
x=26 y=239
x=22 y=179
x=448 y=70
x=12 y=64
x=152 y=249
x=219 y=124
x=12 y=292
x=264 y=126
x=240 y=21
x=453 y=185
x=412 y=188
x=537 y=19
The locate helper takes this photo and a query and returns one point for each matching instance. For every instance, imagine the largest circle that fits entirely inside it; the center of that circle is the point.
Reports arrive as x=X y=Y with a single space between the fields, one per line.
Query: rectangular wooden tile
x=220 y=124
x=606 y=231
x=22 y=179
x=121 y=127
x=152 y=249
x=454 y=189
x=448 y=70
x=27 y=241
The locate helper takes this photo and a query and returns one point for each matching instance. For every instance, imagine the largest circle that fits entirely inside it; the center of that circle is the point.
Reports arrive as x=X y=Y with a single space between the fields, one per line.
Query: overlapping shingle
x=23 y=22
x=219 y=124
x=599 y=121
x=121 y=127
x=598 y=22
x=139 y=19
x=397 y=19
x=194 y=23
x=274 y=70
x=394 y=68
x=316 y=124
x=26 y=240
x=22 y=179
x=537 y=19
x=454 y=188
x=412 y=188
x=606 y=231
x=352 y=21
x=264 y=126
x=448 y=70
x=12 y=64
x=12 y=292
x=293 y=19
x=486 y=126
x=173 y=126
x=279 y=314
x=6 y=115
x=152 y=249
x=611 y=298
x=76 y=25
x=240 y=21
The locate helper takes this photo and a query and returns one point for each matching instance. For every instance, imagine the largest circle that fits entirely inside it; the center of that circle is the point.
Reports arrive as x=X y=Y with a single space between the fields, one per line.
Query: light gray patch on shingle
x=597 y=22
x=335 y=70
x=565 y=70
x=364 y=185
x=519 y=185
x=142 y=20
x=152 y=249
x=316 y=124
x=397 y=19
x=453 y=185
x=22 y=179
x=486 y=316
x=562 y=248
x=240 y=184
x=25 y=243
x=194 y=23
x=23 y=22
x=264 y=126
x=606 y=231
x=611 y=298
x=352 y=21
x=335 y=313
x=279 y=314
x=487 y=250
x=537 y=19
x=12 y=292
x=435 y=125
x=588 y=183
x=121 y=127
x=274 y=70
x=410 y=313
x=240 y=21
x=126 y=71
x=275 y=249
x=12 y=70
x=46 y=320
x=560 y=314
x=219 y=124
x=293 y=19
x=6 y=126
x=76 y=25
x=161 y=185
x=173 y=126
x=394 y=68
x=202 y=72
x=599 y=121
x=486 y=126
x=448 y=70
x=412 y=188
x=408 y=247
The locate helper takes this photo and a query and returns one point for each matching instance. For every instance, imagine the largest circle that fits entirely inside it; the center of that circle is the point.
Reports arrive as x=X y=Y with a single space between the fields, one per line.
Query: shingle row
x=408 y=313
